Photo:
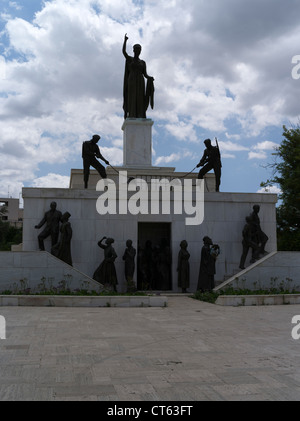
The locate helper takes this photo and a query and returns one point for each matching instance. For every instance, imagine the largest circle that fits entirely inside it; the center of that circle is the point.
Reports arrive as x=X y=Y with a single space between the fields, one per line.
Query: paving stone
x=187 y=351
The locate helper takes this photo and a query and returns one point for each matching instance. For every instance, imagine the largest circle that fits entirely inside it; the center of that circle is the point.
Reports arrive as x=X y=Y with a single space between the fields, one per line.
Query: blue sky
x=222 y=69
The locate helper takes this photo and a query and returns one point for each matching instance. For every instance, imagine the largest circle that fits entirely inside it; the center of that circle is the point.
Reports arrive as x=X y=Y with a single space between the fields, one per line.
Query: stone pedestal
x=137 y=142
x=224 y=219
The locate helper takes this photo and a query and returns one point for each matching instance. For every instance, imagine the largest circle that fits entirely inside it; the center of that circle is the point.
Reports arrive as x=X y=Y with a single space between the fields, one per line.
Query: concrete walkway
x=188 y=351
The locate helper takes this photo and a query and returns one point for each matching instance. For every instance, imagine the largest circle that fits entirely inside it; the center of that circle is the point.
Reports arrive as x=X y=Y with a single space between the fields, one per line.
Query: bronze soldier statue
x=211 y=159
x=91 y=151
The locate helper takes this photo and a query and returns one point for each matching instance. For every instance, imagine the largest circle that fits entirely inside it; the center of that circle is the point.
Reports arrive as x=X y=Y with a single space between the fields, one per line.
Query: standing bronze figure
x=260 y=237
x=128 y=257
x=106 y=274
x=209 y=253
x=211 y=159
x=183 y=267
x=136 y=98
x=91 y=151
x=249 y=241
x=52 y=219
x=62 y=250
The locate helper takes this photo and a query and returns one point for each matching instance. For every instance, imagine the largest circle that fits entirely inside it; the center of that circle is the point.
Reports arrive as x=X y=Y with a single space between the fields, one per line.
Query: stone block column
x=137 y=142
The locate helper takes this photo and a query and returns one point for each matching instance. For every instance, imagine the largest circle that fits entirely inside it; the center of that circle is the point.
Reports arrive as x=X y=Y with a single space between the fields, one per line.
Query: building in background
x=11 y=212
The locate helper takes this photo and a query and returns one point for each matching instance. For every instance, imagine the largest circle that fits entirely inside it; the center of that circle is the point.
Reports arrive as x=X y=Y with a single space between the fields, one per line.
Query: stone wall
x=224 y=218
x=276 y=270
x=37 y=269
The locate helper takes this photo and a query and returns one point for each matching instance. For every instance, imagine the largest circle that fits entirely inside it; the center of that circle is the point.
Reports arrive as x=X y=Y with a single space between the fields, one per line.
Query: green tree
x=286 y=174
x=9 y=235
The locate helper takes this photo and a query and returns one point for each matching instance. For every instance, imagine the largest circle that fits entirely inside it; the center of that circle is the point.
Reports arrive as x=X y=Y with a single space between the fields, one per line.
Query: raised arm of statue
x=124 y=46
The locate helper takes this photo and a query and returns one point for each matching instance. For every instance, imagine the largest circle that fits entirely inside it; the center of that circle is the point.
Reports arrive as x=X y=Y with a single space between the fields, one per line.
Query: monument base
x=224 y=219
x=137 y=142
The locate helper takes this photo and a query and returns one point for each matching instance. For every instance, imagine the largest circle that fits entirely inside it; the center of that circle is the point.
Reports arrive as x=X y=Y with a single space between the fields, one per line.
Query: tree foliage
x=286 y=174
x=9 y=235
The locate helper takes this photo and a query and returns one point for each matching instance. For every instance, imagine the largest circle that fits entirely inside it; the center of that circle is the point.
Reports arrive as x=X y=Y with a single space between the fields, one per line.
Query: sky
x=223 y=69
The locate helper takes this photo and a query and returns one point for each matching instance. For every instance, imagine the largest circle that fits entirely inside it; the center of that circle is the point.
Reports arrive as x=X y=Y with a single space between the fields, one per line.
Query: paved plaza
x=187 y=351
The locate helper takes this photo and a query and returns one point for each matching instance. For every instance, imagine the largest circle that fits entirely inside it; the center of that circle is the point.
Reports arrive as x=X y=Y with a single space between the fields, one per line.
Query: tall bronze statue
x=136 y=98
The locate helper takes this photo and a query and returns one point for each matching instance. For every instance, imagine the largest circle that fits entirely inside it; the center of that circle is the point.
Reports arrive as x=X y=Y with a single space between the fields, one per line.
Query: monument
x=156 y=207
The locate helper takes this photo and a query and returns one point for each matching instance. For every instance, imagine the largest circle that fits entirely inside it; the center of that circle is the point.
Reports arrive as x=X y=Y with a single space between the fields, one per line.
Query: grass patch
x=211 y=296
x=46 y=287
x=55 y=291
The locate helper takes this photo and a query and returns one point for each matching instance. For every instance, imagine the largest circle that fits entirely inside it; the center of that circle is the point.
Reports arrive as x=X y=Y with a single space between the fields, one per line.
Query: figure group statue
x=209 y=254
x=136 y=97
x=211 y=159
x=253 y=237
x=106 y=273
x=183 y=267
x=56 y=223
x=62 y=250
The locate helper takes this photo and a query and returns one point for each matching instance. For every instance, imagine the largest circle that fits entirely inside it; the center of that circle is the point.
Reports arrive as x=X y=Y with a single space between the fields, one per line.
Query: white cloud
x=15 y=5
x=270 y=189
x=257 y=155
x=233 y=136
x=52 y=180
x=182 y=131
x=231 y=146
x=113 y=155
x=266 y=145
x=174 y=157
x=228 y=155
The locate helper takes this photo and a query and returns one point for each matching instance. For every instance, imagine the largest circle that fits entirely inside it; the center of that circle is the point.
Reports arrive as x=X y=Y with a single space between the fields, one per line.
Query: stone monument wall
x=224 y=219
